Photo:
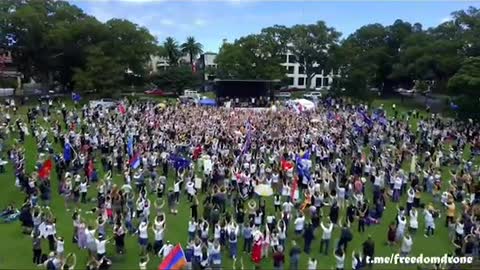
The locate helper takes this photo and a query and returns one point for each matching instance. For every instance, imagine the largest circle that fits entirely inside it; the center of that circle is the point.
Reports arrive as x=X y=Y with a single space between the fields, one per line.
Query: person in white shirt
x=101 y=243
x=165 y=250
x=406 y=247
x=142 y=265
x=326 y=236
x=413 y=220
x=312 y=264
x=143 y=235
x=340 y=259
x=158 y=231
x=459 y=230
x=299 y=224
x=192 y=228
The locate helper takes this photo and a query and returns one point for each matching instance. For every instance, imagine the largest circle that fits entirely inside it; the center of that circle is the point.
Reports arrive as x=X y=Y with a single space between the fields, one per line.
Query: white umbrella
x=264 y=190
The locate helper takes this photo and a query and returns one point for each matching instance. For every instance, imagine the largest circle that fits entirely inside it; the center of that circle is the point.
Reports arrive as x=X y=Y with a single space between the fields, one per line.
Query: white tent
x=302 y=104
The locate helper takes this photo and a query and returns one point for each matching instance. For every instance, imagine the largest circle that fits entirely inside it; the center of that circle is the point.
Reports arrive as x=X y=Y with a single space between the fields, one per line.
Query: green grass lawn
x=16 y=251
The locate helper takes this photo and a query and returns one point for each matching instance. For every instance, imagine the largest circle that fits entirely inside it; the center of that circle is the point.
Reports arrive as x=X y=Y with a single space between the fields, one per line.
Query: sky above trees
x=212 y=21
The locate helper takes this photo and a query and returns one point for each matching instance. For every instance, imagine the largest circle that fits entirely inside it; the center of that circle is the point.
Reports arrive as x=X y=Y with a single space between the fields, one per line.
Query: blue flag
x=179 y=162
x=67 y=152
x=76 y=97
x=130 y=146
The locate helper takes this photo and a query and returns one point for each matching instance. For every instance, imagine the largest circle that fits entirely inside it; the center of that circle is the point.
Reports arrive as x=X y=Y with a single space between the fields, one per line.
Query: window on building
x=292 y=59
x=318 y=82
x=301 y=70
x=301 y=81
x=291 y=69
x=325 y=81
x=301 y=59
x=290 y=81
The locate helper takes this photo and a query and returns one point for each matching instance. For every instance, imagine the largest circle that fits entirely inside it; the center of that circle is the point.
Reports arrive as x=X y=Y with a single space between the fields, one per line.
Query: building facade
x=294 y=72
x=159 y=63
x=206 y=63
x=298 y=79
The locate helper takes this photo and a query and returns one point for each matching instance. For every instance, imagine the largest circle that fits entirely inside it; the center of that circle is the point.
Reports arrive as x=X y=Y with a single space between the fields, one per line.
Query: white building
x=207 y=62
x=294 y=72
x=298 y=79
x=158 y=63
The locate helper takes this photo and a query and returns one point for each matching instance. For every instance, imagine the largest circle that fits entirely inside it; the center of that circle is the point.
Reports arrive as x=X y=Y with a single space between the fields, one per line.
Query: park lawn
x=15 y=251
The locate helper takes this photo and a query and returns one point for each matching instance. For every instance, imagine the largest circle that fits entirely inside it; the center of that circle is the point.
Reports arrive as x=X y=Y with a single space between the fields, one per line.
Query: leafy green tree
x=100 y=72
x=192 y=48
x=172 y=51
x=177 y=79
x=250 y=57
x=467 y=80
x=312 y=45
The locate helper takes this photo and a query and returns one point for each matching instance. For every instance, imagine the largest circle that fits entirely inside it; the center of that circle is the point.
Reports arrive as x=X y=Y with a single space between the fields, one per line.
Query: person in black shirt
x=368 y=249
x=308 y=236
x=194 y=208
x=294 y=256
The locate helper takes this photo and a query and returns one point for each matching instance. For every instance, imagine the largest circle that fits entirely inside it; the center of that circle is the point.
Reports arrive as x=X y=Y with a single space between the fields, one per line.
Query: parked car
x=104 y=103
x=155 y=92
x=283 y=95
x=313 y=95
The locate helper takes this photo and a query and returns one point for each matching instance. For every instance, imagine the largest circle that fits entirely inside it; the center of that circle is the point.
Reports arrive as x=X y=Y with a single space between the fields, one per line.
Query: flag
x=45 y=170
x=135 y=162
x=130 y=146
x=90 y=168
x=248 y=140
x=194 y=68
x=286 y=165
x=76 y=97
x=175 y=260
x=121 y=109
x=67 y=152
x=179 y=162
x=294 y=190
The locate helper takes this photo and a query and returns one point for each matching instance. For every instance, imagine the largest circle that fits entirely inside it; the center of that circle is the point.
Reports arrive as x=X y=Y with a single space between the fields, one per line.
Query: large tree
x=192 y=48
x=172 y=50
x=312 y=45
x=251 y=57
x=176 y=79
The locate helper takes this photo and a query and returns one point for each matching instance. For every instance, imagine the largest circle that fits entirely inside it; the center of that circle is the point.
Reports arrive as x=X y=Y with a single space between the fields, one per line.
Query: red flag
x=286 y=165
x=194 y=68
x=45 y=170
x=90 y=168
x=175 y=260
x=197 y=152
x=121 y=108
x=294 y=189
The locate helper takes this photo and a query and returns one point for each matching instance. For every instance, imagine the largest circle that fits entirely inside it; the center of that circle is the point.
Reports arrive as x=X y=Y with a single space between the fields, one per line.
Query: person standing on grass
x=340 y=259
x=142 y=265
x=345 y=237
x=143 y=236
x=326 y=236
x=37 y=248
x=368 y=249
x=278 y=259
x=308 y=237
x=312 y=264
x=406 y=246
x=294 y=256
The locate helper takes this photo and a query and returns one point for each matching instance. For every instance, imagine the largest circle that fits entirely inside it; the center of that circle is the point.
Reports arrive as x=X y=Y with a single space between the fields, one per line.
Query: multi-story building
x=158 y=63
x=294 y=71
x=206 y=62
x=298 y=79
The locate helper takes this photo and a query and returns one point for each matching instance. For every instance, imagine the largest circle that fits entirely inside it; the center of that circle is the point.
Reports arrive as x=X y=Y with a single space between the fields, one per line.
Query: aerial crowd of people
x=129 y=170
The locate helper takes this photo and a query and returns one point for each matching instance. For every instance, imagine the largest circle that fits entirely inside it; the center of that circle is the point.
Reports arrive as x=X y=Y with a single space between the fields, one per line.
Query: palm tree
x=192 y=47
x=172 y=50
